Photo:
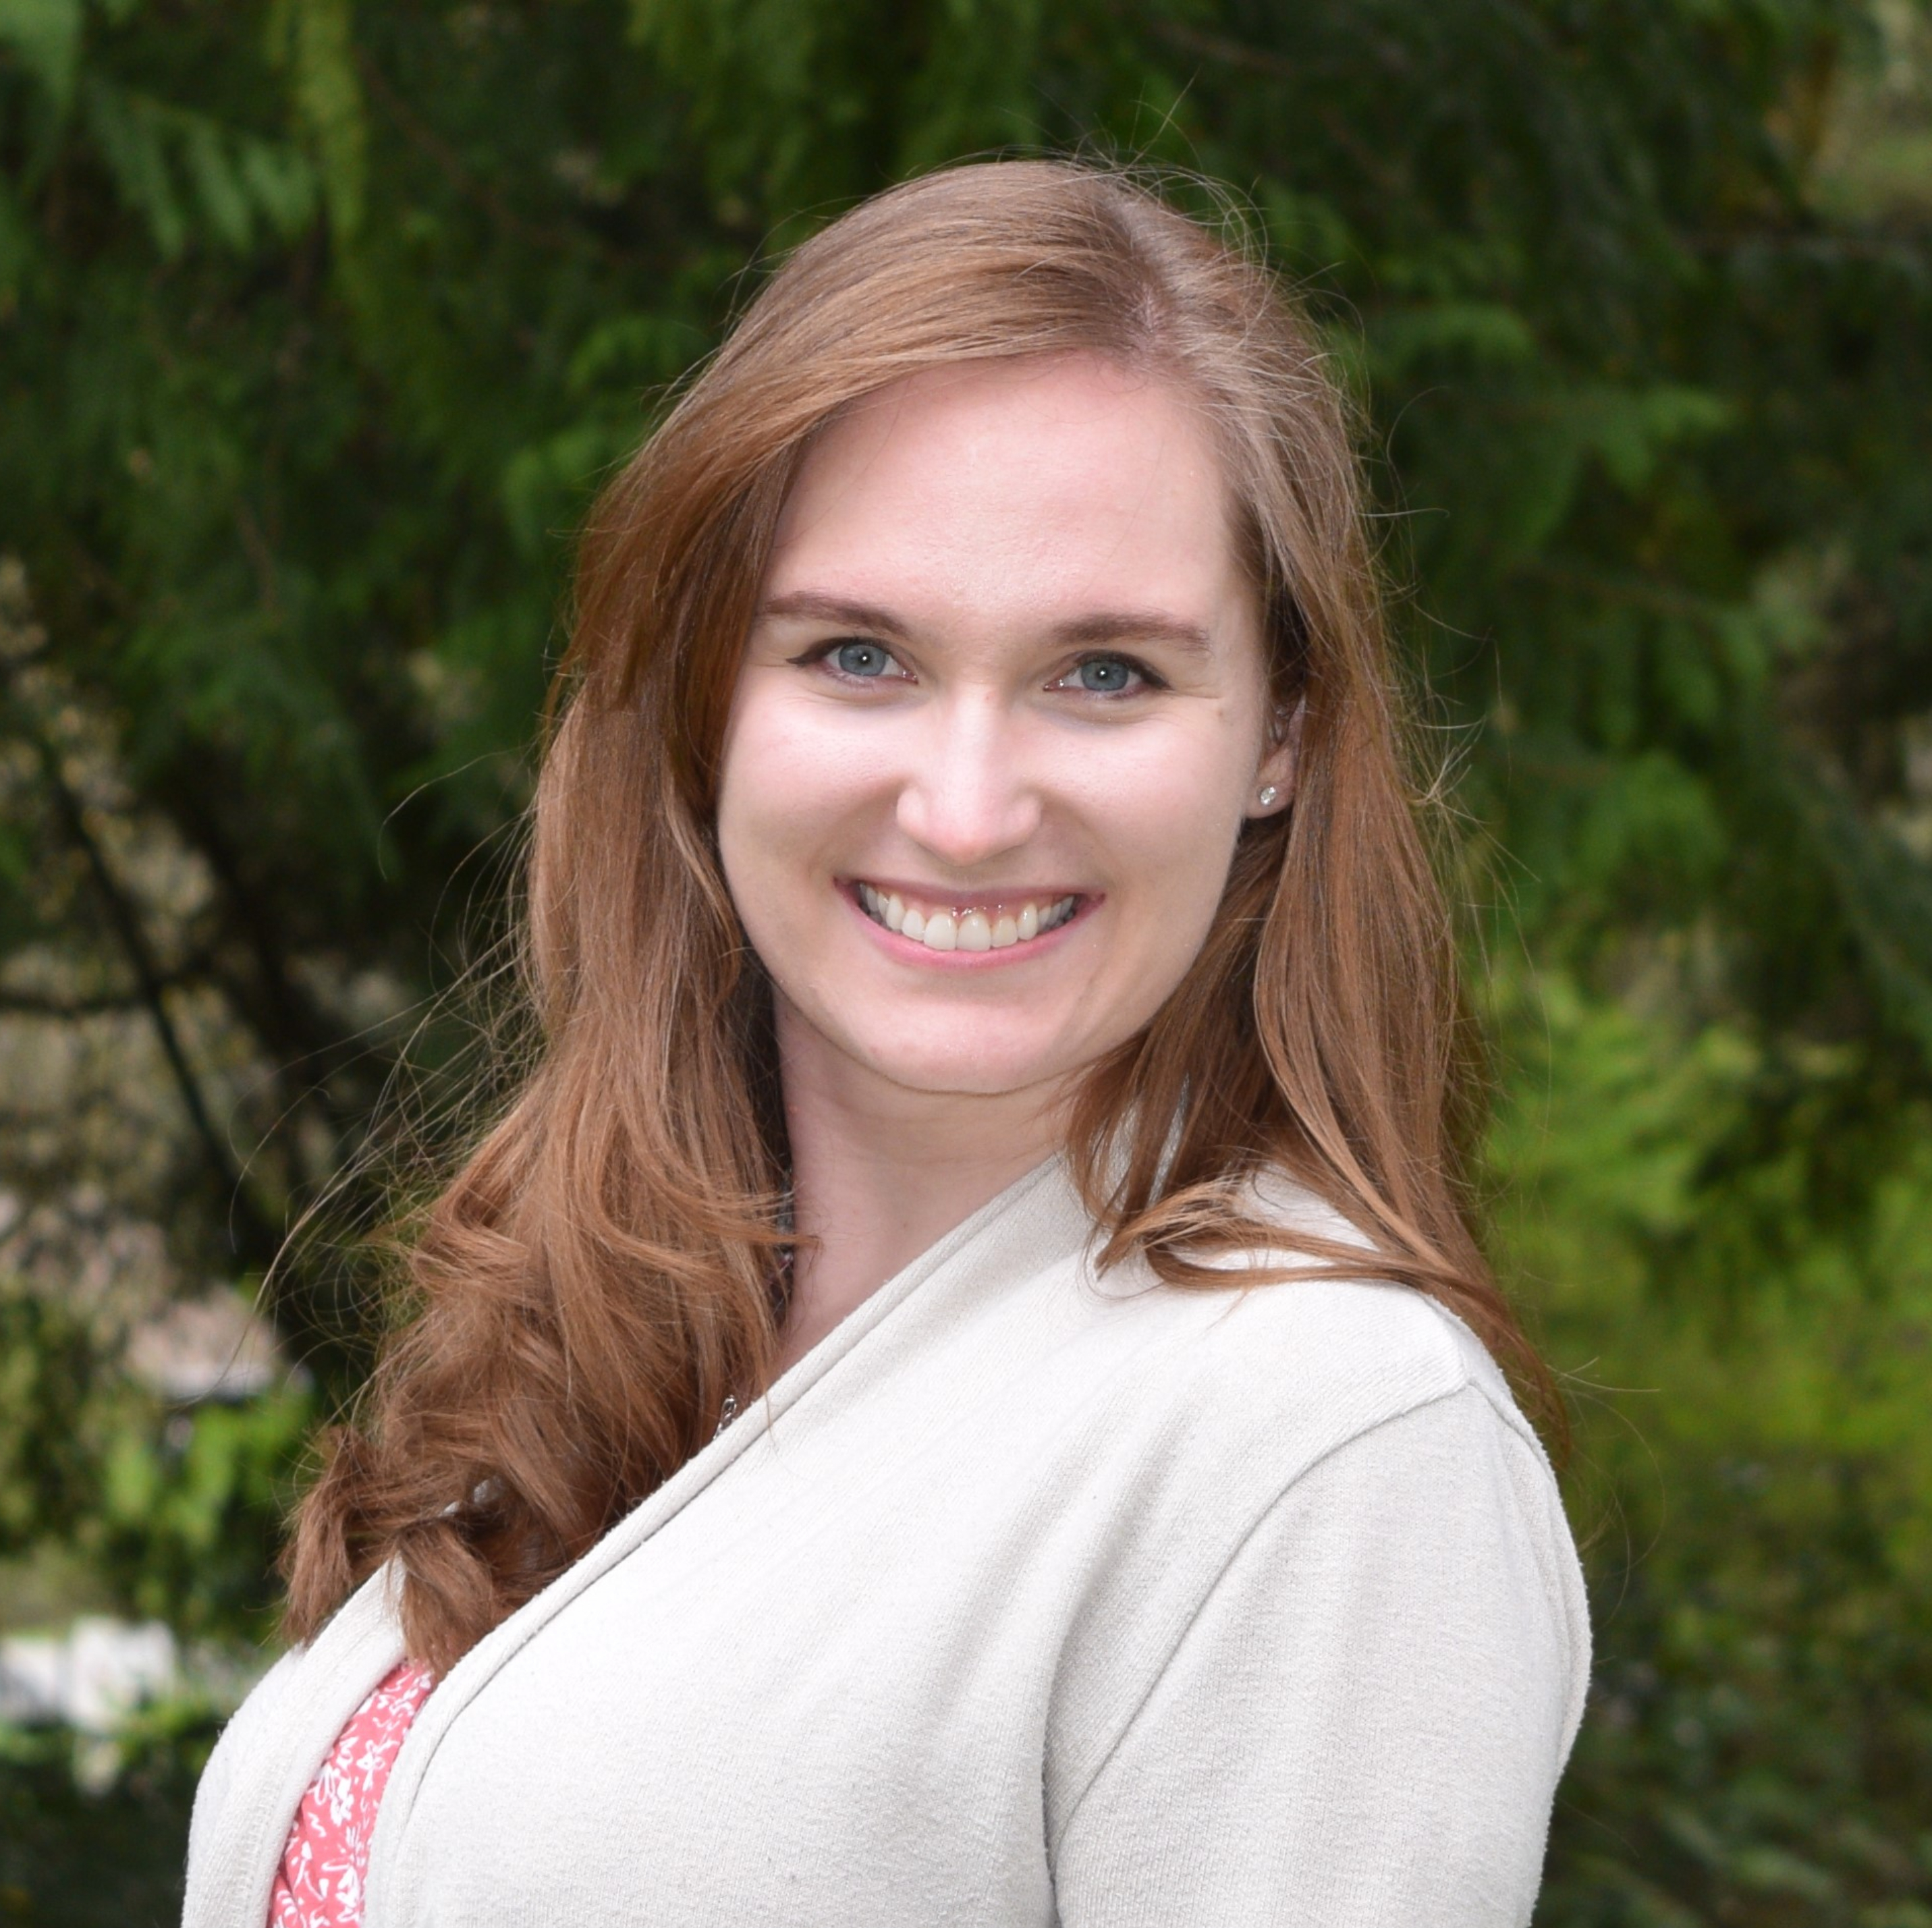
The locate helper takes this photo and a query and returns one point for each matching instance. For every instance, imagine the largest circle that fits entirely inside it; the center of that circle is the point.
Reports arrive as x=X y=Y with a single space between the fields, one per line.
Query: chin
x=971 y=1067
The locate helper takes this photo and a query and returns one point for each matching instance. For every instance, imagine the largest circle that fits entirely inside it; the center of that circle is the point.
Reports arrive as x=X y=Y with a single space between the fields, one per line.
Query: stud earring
x=1268 y=795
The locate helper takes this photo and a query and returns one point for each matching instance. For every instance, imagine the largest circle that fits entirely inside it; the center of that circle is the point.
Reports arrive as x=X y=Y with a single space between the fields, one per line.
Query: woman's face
x=1002 y=714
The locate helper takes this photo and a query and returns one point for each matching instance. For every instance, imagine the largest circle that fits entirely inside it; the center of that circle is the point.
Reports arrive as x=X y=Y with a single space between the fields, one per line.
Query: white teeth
x=997 y=930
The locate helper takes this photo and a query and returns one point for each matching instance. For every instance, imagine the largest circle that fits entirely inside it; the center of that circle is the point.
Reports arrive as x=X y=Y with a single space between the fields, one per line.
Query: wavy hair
x=603 y=1268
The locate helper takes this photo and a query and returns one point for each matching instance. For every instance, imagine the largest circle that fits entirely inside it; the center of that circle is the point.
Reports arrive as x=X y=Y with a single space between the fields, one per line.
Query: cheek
x=1172 y=811
x=1184 y=886
x=1172 y=822
x=753 y=823
x=783 y=787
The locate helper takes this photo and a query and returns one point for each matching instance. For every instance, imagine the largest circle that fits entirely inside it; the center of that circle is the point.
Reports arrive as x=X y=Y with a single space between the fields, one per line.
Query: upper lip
x=969 y=896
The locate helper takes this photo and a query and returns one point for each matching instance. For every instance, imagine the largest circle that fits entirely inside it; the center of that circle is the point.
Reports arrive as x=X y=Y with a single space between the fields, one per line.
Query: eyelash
x=822 y=653
x=1148 y=680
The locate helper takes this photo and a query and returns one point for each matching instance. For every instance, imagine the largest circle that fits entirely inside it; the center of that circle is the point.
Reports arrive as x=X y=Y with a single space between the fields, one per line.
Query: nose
x=967 y=797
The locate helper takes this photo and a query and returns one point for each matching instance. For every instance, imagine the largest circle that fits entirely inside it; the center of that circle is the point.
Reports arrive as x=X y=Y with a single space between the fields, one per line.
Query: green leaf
x=1473 y=334
x=218 y=184
x=46 y=34
x=315 y=39
x=126 y=129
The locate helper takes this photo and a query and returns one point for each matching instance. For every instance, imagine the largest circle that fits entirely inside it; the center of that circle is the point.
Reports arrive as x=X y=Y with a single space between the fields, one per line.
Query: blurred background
x=318 y=325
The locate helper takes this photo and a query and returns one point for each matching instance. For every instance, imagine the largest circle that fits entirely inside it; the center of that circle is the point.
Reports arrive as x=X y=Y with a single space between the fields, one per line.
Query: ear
x=1280 y=767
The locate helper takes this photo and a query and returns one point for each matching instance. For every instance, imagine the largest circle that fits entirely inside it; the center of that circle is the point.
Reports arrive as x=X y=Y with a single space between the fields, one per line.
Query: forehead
x=1016 y=493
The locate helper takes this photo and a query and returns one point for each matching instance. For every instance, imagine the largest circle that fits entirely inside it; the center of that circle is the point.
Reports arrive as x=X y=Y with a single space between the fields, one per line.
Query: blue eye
x=1107 y=676
x=862 y=659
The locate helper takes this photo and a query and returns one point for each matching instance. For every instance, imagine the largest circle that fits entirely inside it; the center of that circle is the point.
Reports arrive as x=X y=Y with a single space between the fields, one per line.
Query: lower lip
x=908 y=951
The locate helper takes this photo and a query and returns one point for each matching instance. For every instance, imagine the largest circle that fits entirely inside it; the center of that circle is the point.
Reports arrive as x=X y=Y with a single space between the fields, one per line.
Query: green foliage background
x=318 y=325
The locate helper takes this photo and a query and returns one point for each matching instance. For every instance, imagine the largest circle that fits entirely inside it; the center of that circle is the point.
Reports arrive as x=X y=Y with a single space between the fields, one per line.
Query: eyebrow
x=1101 y=626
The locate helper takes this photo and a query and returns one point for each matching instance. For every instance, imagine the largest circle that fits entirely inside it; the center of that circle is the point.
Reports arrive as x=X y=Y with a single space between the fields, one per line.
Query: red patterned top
x=320 y=1882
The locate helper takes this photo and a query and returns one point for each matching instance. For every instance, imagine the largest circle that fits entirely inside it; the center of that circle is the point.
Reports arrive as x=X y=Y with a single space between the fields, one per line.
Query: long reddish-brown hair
x=599 y=1273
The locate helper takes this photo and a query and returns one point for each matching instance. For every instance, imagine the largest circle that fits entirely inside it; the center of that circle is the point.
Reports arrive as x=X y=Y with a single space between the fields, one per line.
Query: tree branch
x=43 y=1004
x=256 y=1238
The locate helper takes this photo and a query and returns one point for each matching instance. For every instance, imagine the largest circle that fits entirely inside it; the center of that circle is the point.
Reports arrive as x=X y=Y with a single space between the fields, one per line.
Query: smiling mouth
x=994 y=926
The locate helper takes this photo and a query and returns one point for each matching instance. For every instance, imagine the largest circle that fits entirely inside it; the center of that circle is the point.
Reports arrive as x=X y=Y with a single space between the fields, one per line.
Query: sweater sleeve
x=1365 y=1721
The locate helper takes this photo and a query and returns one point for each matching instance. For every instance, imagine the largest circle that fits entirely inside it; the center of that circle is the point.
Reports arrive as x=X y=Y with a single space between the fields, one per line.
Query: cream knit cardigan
x=1024 y=1599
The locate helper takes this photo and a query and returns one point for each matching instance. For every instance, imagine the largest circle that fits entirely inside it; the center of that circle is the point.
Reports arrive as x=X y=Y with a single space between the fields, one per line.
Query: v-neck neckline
x=473 y=1672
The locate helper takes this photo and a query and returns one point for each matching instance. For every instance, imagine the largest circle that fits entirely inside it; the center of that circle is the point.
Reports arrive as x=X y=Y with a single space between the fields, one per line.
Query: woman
x=999 y=1045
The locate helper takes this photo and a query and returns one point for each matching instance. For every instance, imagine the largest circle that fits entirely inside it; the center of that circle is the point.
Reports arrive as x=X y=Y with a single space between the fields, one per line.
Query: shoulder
x=1213 y=1408
x=1281 y=1366
x=1299 y=1463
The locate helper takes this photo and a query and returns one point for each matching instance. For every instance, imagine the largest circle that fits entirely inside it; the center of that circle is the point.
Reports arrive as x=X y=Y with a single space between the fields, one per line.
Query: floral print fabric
x=319 y=1883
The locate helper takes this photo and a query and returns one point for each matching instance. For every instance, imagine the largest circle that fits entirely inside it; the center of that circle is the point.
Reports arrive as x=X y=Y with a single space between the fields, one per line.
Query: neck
x=880 y=1172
